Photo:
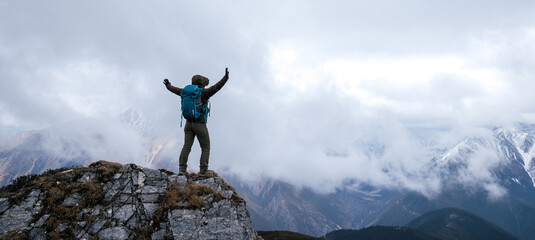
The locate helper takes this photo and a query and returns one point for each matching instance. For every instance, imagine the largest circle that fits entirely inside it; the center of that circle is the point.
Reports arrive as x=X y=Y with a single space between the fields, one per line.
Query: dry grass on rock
x=16 y=235
x=56 y=185
x=188 y=197
x=60 y=184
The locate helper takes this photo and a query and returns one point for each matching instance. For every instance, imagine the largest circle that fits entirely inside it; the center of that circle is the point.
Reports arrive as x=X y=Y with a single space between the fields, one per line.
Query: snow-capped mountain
x=129 y=138
x=499 y=163
x=484 y=174
x=29 y=153
x=490 y=175
x=155 y=145
x=519 y=144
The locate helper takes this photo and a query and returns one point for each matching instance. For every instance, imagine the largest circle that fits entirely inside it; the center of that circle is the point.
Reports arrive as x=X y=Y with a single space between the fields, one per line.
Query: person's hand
x=166 y=82
x=226 y=72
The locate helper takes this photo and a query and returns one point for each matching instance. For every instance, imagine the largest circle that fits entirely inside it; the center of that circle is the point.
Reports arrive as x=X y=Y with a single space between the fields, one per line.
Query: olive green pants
x=190 y=131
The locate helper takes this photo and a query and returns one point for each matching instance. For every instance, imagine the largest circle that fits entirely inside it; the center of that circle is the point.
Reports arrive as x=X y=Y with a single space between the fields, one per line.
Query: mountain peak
x=454 y=223
x=134 y=119
x=113 y=201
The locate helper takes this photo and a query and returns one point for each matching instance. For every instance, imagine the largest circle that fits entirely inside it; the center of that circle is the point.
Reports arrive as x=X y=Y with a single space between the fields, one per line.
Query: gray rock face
x=87 y=177
x=19 y=216
x=4 y=204
x=221 y=221
x=116 y=233
x=72 y=200
x=134 y=203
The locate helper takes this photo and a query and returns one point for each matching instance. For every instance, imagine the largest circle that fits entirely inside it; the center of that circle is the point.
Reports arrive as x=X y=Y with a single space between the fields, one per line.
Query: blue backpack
x=192 y=107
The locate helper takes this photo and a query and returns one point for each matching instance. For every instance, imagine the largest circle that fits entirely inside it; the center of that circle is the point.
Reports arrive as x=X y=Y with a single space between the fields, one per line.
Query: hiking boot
x=202 y=173
x=182 y=172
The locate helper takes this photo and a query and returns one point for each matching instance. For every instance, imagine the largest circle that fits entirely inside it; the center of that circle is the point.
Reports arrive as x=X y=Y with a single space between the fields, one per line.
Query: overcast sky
x=315 y=86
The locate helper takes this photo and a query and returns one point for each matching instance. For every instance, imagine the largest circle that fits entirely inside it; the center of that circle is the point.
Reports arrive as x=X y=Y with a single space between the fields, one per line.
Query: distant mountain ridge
x=510 y=147
x=26 y=154
x=514 y=211
x=382 y=233
x=78 y=143
x=442 y=224
x=509 y=214
x=457 y=224
x=500 y=153
x=277 y=205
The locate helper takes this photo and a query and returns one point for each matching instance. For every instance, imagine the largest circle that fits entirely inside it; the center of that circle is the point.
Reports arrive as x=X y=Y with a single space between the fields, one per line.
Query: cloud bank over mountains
x=318 y=93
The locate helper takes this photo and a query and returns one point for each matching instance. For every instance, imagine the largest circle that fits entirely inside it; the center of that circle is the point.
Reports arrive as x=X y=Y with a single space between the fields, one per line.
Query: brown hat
x=200 y=81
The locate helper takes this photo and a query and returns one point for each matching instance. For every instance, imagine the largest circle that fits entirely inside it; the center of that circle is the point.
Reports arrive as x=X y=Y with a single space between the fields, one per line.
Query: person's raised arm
x=172 y=88
x=216 y=87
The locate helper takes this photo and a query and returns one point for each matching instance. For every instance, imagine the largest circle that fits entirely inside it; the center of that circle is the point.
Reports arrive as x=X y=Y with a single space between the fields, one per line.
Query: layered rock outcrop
x=113 y=201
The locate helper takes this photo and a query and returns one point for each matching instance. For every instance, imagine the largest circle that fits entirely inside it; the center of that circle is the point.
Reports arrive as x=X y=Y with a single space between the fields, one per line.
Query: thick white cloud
x=319 y=92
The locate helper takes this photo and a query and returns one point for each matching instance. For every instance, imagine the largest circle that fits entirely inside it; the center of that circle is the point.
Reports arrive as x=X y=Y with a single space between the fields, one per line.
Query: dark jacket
x=206 y=92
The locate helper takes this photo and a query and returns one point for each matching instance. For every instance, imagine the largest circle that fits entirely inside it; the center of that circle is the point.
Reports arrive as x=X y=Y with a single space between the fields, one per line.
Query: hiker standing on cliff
x=195 y=109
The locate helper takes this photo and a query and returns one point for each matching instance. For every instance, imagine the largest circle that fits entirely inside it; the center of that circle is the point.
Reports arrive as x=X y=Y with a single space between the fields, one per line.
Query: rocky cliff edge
x=112 y=201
